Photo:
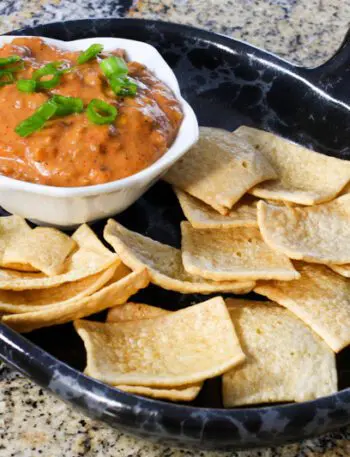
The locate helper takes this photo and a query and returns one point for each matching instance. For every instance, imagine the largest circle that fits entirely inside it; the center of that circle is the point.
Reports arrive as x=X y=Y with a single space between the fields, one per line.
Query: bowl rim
x=171 y=155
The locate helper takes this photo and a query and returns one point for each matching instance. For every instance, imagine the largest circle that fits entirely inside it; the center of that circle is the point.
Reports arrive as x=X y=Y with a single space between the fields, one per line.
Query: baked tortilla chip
x=44 y=248
x=164 y=263
x=177 y=349
x=219 y=169
x=183 y=393
x=13 y=228
x=318 y=234
x=137 y=311
x=200 y=215
x=286 y=360
x=305 y=177
x=343 y=270
x=320 y=298
x=24 y=301
x=122 y=286
x=232 y=254
x=90 y=258
x=133 y=311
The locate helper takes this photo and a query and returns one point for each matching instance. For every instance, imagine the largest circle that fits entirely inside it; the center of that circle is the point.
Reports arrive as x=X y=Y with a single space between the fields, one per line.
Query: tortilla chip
x=232 y=254
x=90 y=258
x=117 y=291
x=177 y=349
x=286 y=360
x=183 y=393
x=137 y=311
x=13 y=228
x=305 y=176
x=343 y=270
x=164 y=263
x=44 y=248
x=219 y=169
x=318 y=234
x=24 y=301
x=201 y=215
x=133 y=311
x=320 y=298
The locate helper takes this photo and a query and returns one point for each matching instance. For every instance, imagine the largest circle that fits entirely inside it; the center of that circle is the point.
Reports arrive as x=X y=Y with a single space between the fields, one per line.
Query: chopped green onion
x=26 y=85
x=90 y=53
x=123 y=86
x=100 y=112
x=48 y=70
x=67 y=105
x=7 y=60
x=113 y=67
x=37 y=120
x=6 y=77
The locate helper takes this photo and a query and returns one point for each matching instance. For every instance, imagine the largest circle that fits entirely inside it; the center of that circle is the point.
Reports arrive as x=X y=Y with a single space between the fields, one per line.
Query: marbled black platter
x=228 y=83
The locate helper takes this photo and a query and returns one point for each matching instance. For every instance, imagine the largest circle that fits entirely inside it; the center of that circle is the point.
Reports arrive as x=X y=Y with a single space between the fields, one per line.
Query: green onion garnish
x=113 y=67
x=37 y=120
x=6 y=77
x=67 y=105
x=26 y=85
x=7 y=60
x=90 y=53
x=100 y=112
x=51 y=69
x=123 y=86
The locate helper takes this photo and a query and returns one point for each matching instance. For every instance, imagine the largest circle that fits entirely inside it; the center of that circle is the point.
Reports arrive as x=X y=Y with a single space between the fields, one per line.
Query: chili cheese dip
x=80 y=118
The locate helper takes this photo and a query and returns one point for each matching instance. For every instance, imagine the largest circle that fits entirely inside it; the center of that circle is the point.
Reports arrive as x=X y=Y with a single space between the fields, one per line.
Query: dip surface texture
x=70 y=150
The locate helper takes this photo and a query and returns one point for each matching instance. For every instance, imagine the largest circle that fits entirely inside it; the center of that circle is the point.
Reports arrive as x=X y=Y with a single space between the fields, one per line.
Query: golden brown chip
x=164 y=263
x=137 y=311
x=343 y=270
x=90 y=258
x=13 y=228
x=219 y=169
x=232 y=254
x=133 y=311
x=24 y=301
x=117 y=291
x=43 y=248
x=286 y=360
x=318 y=234
x=305 y=176
x=180 y=348
x=320 y=298
x=183 y=393
x=200 y=215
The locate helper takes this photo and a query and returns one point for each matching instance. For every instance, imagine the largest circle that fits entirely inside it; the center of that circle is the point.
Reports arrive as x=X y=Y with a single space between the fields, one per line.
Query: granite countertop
x=33 y=422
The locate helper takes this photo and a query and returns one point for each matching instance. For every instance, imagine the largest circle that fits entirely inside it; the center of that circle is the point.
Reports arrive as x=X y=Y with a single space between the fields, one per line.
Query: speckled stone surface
x=33 y=422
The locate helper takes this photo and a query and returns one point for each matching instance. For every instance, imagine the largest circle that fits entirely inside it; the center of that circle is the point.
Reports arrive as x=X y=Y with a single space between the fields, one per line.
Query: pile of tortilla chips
x=264 y=215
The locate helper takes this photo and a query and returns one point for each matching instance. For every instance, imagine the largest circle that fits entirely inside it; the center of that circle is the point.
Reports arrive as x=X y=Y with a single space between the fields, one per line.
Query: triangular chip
x=24 y=301
x=219 y=169
x=318 y=234
x=137 y=311
x=133 y=311
x=201 y=215
x=305 y=176
x=90 y=258
x=180 y=348
x=184 y=393
x=164 y=263
x=286 y=360
x=232 y=254
x=122 y=286
x=320 y=298
x=13 y=228
x=44 y=248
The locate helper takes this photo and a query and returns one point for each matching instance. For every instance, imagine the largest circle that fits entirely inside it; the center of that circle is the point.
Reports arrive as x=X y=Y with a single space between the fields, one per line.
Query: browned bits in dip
x=71 y=151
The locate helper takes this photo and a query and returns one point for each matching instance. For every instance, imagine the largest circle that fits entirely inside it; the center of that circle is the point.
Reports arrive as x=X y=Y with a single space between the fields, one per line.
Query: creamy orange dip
x=70 y=150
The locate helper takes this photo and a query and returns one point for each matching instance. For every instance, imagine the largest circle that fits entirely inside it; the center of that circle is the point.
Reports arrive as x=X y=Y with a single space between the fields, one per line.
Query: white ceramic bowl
x=69 y=206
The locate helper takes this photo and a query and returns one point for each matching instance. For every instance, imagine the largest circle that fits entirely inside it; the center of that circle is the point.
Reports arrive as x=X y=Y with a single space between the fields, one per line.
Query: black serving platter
x=228 y=83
